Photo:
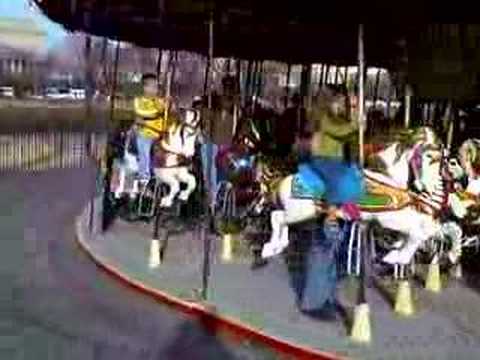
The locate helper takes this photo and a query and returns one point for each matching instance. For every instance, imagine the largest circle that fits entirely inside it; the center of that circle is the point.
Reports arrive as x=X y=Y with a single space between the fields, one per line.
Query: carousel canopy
x=292 y=31
x=298 y=31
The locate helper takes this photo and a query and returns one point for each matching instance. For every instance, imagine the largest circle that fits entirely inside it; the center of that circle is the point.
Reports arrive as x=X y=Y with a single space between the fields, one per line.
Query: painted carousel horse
x=238 y=194
x=469 y=153
x=463 y=175
x=173 y=156
x=123 y=154
x=398 y=208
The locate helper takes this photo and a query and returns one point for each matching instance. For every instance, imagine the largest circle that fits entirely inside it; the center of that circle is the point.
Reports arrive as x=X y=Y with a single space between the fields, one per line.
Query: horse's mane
x=403 y=140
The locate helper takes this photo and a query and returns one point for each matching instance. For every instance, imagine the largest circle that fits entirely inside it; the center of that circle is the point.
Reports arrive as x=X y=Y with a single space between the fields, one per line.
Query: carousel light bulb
x=242 y=163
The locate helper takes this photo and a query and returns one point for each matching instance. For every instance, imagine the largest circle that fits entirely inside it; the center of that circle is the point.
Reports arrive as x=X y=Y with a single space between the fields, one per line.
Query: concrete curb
x=205 y=313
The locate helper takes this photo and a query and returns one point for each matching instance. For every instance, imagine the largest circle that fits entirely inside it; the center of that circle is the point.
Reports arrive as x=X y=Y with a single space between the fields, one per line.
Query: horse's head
x=429 y=167
x=191 y=118
x=249 y=137
x=469 y=154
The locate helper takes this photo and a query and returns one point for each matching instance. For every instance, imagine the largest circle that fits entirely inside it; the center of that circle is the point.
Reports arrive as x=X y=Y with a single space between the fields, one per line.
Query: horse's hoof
x=270 y=250
x=166 y=203
x=258 y=263
x=183 y=197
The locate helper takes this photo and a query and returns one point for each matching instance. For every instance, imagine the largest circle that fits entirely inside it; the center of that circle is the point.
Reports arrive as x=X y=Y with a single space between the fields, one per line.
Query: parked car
x=78 y=93
x=59 y=94
x=7 y=91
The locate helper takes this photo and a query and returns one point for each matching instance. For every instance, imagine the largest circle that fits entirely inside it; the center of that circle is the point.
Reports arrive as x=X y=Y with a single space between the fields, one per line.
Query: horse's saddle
x=382 y=197
x=378 y=197
x=304 y=188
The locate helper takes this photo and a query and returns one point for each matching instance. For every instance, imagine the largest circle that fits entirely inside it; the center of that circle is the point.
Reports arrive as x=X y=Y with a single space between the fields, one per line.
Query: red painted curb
x=209 y=318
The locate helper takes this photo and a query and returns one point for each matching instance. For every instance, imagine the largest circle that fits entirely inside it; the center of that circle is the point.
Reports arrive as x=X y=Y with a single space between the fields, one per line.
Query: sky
x=20 y=9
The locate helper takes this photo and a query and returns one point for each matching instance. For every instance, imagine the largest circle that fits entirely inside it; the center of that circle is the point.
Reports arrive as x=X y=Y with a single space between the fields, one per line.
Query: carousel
x=404 y=237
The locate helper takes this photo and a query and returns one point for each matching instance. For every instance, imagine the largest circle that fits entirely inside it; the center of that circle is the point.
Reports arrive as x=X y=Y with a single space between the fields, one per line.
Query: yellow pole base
x=404 y=302
x=361 y=329
x=433 y=282
x=227 y=247
x=458 y=271
x=154 y=258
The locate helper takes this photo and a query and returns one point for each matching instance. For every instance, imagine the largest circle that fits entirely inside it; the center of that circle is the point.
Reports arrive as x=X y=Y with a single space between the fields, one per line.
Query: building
x=22 y=47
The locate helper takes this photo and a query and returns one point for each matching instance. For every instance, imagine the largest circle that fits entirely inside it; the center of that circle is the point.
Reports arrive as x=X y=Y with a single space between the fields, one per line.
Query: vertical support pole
x=361 y=94
x=320 y=78
x=345 y=76
x=248 y=80
x=326 y=74
x=408 y=105
x=115 y=81
x=88 y=71
x=254 y=82
x=228 y=66
x=89 y=85
x=261 y=79
x=377 y=85
x=337 y=69
x=389 y=101
x=168 y=86
x=305 y=86
x=88 y=113
x=207 y=71
x=256 y=74
x=287 y=88
x=206 y=237
x=159 y=66
x=449 y=120
x=257 y=90
x=238 y=71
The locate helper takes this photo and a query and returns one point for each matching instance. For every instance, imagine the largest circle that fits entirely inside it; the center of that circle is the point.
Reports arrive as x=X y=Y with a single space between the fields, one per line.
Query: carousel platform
x=261 y=302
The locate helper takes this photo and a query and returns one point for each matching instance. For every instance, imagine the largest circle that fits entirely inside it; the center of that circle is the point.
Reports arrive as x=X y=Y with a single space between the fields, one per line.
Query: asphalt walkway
x=56 y=304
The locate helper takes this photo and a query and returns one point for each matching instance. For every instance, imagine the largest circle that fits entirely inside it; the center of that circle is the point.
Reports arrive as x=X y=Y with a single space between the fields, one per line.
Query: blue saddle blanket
x=304 y=187
x=330 y=179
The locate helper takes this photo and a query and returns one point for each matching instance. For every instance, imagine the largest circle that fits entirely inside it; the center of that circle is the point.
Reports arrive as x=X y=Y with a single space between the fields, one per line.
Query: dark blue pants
x=314 y=279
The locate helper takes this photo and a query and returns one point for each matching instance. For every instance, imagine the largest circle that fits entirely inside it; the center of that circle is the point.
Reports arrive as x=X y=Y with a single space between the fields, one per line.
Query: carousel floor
x=445 y=326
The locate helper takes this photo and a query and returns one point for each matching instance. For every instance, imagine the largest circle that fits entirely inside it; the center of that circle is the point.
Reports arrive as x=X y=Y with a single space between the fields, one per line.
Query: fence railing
x=49 y=149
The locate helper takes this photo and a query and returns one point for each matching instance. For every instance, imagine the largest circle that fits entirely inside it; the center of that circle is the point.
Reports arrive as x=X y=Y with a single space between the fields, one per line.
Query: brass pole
x=361 y=93
x=114 y=81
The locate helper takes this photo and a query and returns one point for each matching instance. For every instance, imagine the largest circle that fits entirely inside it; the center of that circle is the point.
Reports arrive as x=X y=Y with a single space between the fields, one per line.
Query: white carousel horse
x=172 y=166
x=417 y=220
x=465 y=195
x=416 y=225
x=470 y=159
x=125 y=169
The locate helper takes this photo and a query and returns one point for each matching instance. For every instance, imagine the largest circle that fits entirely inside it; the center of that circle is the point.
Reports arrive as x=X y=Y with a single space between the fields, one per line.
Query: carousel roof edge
x=239 y=32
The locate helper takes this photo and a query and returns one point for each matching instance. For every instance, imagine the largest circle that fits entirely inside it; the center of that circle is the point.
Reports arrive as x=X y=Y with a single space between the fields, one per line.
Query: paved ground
x=55 y=304
x=446 y=326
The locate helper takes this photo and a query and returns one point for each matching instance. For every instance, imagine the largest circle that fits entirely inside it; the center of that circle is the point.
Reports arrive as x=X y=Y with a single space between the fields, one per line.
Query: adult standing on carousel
x=330 y=163
x=330 y=170
x=291 y=126
x=218 y=131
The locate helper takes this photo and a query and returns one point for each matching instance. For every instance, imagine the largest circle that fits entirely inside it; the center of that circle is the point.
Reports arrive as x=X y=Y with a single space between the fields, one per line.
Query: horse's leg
x=184 y=176
x=419 y=227
x=295 y=211
x=121 y=183
x=168 y=177
x=279 y=235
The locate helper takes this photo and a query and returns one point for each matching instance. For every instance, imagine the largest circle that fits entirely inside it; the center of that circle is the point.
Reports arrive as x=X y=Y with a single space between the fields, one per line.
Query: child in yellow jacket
x=152 y=121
